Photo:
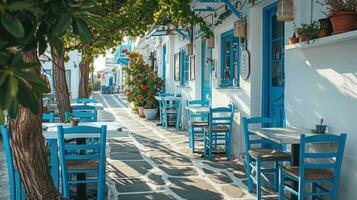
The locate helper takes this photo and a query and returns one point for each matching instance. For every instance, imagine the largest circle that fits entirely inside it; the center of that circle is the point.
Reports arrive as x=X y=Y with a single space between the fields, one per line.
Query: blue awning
x=120 y=57
x=123 y=61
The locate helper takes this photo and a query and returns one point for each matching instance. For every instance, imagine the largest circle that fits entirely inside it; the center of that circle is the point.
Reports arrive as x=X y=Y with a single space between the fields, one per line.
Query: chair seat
x=198 y=123
x=269 y=154
x=220 y=128
x=171 y=111
x=310 y=174
x=82 y=164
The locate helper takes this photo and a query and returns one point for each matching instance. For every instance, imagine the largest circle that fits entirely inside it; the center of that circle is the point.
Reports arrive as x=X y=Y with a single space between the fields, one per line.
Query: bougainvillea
x=141 y=82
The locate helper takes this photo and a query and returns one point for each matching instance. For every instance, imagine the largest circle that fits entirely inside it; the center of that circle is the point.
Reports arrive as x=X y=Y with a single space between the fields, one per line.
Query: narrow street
x=153 y=163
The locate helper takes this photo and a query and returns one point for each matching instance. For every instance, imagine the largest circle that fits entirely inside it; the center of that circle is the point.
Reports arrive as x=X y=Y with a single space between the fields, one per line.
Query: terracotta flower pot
x=293 y=40
x=141 y=112
x=74 y=122
x=326 y=23
x=323 y=33
x=344 y=22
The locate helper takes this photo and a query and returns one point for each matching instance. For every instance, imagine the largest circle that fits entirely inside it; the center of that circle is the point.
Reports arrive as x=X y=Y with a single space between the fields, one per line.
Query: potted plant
x=343 y=14
x=323 y=31
x=294 y=39
x=142 y=84
x=74 y=122
x=326 y=24
x=308 y=32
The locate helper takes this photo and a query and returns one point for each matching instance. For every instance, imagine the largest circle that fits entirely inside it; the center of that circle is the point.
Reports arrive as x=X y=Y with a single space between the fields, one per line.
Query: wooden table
x=99 y=106
x=168 y=98
x=114 y=130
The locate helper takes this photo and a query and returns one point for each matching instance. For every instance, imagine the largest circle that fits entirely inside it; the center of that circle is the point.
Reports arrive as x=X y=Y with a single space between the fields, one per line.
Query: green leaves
x=62 y=25
x=12 y=25
x=81 y=28
x=19 y=5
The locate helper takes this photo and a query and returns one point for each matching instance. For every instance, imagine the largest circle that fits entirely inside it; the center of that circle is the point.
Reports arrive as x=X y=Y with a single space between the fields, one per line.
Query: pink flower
x=124 y=50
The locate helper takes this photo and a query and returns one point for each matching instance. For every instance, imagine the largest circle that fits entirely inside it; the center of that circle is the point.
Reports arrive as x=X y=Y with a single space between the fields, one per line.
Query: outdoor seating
x=318 y=169
x=85 y=100
x=256 y=154
x=196 y=123
x=161 y=103
x=17 y=191
x=171 y=113
x=48 y=117
x=86 y=159
x=84 y=113
x=219 y=131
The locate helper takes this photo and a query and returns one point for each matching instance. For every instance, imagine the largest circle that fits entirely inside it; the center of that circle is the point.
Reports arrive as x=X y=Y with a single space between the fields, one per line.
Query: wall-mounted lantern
x=240 y=29
x=210 y=42
x=189 y=49
x=285 y=11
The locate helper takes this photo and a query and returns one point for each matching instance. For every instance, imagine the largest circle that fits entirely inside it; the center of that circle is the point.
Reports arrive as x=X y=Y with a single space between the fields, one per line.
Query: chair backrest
x=48 y=117
x=85 y=113
x=330 y=159
x=174 y=105
x=83 y=152
x=166 y=95
x=221 y=116
x=196 y=103
x=16 y=189
x=250 y=138
x=86 y=100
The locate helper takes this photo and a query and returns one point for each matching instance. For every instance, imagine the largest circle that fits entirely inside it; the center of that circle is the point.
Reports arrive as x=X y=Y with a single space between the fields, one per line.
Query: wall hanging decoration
x=240 y=29
x=192 y=68
x=210 y=42
x=189 y=49
x=245 y=64
x=285 y=11
x=176 y=67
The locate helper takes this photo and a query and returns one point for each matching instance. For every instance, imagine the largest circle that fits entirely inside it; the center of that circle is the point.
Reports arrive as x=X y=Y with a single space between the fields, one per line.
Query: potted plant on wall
x=343 y=14
x=294 y=39
x=308 y=32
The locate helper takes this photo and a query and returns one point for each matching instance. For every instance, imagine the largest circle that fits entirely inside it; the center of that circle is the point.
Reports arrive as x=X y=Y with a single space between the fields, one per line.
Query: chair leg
x=281 y=184
x=205 y=144
x=228 y=146
x=258 y=178
x=178 y=122
x=314 y=190
x=249 y=173
x=210 y=146
x=276 y=176
x=193 y=139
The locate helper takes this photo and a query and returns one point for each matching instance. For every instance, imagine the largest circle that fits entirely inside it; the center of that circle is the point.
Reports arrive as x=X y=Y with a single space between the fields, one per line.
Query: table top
x=114 y=129
x=169 y=98
x=99 y=106
x=198 y=109
x=282 y=135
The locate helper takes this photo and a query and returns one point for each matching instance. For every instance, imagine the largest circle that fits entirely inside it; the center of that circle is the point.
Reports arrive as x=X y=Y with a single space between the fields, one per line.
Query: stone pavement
x=153 y=163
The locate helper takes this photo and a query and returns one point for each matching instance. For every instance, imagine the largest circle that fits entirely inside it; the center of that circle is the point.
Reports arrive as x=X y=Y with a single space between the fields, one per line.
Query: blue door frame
x=164 y=53
x=206 y=82
x=273 y=67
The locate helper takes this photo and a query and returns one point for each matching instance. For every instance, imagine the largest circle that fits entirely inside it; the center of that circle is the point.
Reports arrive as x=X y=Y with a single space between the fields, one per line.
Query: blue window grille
x=230 y=60
x=184 y=69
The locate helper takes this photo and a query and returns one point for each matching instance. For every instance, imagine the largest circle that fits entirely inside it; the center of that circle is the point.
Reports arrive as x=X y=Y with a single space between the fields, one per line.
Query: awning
x=120 y=57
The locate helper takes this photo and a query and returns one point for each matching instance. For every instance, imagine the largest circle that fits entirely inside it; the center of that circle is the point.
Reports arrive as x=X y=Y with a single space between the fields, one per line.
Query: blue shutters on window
x=230 y=60
x=184 y=69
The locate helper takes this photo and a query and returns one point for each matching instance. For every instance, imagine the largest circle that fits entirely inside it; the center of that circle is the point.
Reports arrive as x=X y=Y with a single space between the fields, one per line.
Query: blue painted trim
x=164 y=56
x=227 y=2
x=184 y=67
x=234 y=70
x=203 y=61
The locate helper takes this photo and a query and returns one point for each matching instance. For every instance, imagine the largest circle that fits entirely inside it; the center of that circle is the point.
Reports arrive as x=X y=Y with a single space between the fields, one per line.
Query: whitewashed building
x=297 y=84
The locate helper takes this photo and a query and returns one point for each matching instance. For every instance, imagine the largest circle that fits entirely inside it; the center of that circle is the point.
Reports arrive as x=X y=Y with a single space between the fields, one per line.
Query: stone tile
x=128 y=169
x=156 y=178
x=218 y=177
x=179 y=171
x=125 y=156
x=131 y=185
x=146 y=196
x=172 y=161
x=233 y=191
x=194 y=188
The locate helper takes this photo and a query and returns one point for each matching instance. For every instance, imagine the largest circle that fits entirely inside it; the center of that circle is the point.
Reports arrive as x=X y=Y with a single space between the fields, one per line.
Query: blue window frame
x=230 y=60
x=184 y=69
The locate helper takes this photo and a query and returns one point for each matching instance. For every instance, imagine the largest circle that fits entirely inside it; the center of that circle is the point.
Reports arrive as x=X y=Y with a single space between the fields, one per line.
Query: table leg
x=52 y=143
x=81 y=188
x=295 y=151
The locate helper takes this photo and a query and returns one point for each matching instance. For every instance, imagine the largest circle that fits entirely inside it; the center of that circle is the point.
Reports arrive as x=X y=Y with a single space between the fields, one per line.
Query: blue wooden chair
x=48 y=117
x=85 y=100
x=17 y=191
x=161 y=103
x=196 y=123
x=171 y=113
x=321 y=170
x=84 y=113
x=219 y=131
x=259 y=151
x=83 y=158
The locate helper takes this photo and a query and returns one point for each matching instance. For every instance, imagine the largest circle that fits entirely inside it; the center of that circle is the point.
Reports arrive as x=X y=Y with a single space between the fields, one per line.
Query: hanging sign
x=245 y=64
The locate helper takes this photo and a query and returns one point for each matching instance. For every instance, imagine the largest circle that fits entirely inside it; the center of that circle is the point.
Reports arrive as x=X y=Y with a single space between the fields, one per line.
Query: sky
x=99 y=63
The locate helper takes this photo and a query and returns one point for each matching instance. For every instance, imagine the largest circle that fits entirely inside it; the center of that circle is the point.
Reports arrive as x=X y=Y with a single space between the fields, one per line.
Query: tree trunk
x=60 y=84
x=29 y=151
x=84 y=67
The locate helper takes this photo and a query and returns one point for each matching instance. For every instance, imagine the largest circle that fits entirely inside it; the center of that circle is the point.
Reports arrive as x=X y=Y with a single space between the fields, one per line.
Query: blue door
x=206 y=73
x=164 y=68
x=273 y=67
